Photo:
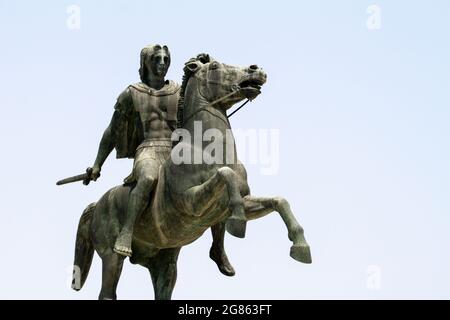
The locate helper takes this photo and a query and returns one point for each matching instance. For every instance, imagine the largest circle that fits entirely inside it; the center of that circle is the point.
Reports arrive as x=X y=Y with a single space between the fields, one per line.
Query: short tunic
x=150 y=154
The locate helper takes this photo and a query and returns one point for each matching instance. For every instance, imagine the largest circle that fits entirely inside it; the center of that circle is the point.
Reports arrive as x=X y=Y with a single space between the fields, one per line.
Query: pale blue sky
x=364 y=127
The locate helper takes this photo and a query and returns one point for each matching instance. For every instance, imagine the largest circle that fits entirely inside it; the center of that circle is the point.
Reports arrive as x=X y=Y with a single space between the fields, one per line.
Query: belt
x=158 y=142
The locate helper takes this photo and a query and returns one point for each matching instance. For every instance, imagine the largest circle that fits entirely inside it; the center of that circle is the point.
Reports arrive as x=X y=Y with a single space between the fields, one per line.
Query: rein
x=206 y=108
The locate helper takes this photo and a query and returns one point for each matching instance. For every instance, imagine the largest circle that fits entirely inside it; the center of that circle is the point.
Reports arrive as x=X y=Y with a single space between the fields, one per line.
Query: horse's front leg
x=217 y=252
x=257 y=207
x=198 y=199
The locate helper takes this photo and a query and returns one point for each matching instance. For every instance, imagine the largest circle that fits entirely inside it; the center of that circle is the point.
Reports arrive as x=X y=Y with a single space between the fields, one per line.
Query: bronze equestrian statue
x=166 y=204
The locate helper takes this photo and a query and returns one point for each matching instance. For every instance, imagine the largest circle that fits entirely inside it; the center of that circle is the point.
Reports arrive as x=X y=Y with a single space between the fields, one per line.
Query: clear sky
x=363 y=116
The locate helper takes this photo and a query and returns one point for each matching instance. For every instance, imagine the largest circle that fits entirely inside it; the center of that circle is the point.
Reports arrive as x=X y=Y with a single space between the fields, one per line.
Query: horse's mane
x=187 y=74
x=203 y=58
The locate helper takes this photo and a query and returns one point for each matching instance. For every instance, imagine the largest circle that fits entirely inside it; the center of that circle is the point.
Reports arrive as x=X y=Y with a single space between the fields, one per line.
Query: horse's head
x=224 y=85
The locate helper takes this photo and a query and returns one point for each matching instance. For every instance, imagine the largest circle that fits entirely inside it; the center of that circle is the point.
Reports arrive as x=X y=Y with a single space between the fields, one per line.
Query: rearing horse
x=190 y=196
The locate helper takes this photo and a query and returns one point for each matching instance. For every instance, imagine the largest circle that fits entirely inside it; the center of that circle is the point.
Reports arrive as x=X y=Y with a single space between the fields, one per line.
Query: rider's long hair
x=146 y=52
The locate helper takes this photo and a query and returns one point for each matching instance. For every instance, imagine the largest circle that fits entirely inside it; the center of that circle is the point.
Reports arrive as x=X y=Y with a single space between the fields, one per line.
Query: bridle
x=235 y=89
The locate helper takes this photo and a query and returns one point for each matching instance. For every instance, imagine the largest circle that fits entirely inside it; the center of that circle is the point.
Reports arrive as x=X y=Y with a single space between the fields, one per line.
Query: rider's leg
x=137 y=201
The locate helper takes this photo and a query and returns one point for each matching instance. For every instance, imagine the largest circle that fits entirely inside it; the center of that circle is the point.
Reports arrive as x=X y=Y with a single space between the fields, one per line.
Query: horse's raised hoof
x=236 y=227
x=301 y=253
x=123 y=251
x=222 y=262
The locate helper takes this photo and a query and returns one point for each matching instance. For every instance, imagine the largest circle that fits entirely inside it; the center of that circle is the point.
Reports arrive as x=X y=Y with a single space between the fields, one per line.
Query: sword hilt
x=89 y=178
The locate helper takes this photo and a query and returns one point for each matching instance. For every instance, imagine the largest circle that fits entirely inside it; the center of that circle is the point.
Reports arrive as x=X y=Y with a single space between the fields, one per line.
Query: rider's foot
x=221 y=259
x=123 y=245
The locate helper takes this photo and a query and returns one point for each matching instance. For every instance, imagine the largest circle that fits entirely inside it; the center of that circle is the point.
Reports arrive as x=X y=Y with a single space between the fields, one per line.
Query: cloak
x=126 y=126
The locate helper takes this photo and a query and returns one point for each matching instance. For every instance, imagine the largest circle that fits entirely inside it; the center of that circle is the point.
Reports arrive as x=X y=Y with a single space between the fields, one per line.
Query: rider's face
x=159 y=63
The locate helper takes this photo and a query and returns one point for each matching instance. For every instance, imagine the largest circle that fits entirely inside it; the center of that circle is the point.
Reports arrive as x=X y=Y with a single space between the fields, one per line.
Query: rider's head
x=155 y=61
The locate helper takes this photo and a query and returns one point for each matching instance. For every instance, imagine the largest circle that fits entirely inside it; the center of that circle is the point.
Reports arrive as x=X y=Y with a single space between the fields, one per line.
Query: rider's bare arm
x=105 y=148
x=108 y=141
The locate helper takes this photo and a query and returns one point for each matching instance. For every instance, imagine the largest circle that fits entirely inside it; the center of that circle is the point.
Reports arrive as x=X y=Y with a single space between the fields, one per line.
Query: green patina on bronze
x=164 y=206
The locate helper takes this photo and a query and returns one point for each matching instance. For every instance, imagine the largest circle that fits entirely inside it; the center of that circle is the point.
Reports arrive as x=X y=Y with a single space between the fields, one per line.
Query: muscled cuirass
x=155 y=107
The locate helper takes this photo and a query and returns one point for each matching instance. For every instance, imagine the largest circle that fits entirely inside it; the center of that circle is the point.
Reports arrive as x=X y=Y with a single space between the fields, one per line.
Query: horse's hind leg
x=163 y=270
x=111 y=269
x=257 y=207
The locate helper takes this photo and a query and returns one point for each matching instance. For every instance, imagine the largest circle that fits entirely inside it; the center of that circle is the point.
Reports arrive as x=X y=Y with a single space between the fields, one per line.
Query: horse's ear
x=204 y=58
x=193 y=66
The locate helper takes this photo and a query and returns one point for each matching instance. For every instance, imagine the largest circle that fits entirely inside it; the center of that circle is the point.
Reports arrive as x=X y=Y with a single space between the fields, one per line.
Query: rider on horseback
x=141 y=128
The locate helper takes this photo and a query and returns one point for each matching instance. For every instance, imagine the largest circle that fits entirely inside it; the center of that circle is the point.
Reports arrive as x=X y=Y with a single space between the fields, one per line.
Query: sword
x=85 y=177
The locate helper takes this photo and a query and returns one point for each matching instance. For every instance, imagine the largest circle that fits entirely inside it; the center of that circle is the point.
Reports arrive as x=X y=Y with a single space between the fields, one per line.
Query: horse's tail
x=84 y=249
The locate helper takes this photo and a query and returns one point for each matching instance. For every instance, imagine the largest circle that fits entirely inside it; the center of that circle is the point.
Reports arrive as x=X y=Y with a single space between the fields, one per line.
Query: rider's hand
x=95 y=173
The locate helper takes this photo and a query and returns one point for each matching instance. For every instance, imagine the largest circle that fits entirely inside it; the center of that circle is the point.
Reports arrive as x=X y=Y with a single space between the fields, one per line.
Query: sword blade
x=76 y=178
